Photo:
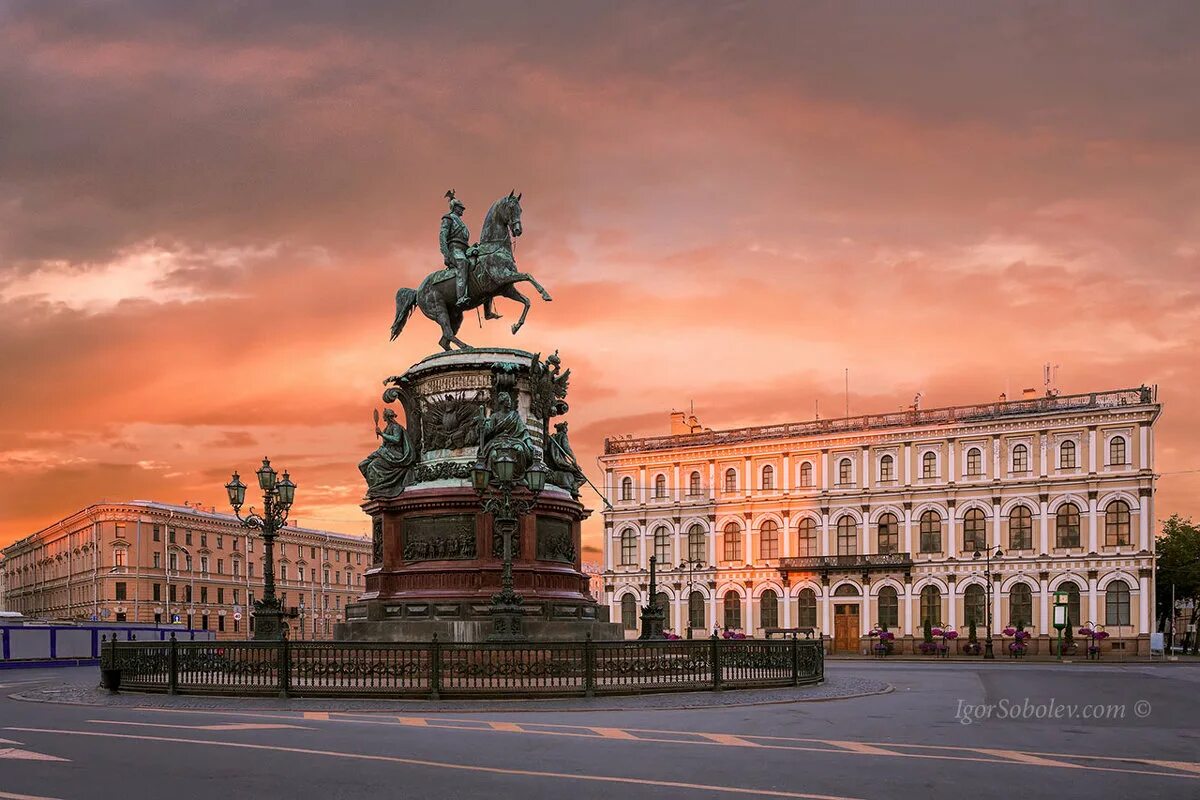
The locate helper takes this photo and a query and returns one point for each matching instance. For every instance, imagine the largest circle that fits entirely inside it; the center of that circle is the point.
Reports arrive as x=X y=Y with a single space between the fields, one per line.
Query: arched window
x=697 y=551
x=768 y=478
x=768 y=609
x=1116 y=603
x=1074 y=608
x=1020 y=458
x=1066 y=526
x=664 y=604
x=733 y=610
x=847 y=536
x=1020 y=528
x=974 y=530
x=629 y=549
x=1116 y=451
x=627 y=488
x=731 y=480
x=662 y=546
x=733 y=542
x=931 y=532
x=806 y=478
x=768 y=539
x=696 y=610
x=1066 y=455
x=975 y=606
x=1020 y=604
x=1116 y=524
x=808 y=537
x=889 y=608
x=974 y=462
x=887 y=468
x=929 y=465
x=660 y=487
x=845 y=472
x=694 y=484
x=629 y=613
x=931 y=605
x=889 y=534
x=807 y=615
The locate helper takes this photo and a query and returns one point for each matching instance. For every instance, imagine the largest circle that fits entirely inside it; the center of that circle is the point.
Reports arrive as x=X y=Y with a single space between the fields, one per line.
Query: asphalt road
x=1032 y=731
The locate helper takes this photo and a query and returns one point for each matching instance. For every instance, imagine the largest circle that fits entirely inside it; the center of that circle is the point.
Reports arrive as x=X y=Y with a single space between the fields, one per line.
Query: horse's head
x=511 y=206
x=503 y=219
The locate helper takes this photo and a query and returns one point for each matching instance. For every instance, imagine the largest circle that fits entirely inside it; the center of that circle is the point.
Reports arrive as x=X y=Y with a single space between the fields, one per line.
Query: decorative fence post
x=285 y=664
x=435 y=669
x=173 y=666
x=716 y=663
x=795 y=660
x=589 y=666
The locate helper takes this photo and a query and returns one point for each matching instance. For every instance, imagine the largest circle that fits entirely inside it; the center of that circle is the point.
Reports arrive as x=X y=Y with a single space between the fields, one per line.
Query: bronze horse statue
x=492 y=273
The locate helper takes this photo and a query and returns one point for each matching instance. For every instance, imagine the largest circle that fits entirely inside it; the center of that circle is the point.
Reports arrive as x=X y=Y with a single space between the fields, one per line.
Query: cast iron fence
x=454 y=669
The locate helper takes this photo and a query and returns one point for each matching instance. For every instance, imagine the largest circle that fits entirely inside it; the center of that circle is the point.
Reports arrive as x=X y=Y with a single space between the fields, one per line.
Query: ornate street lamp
x=278 y=495
x=690 y=566
x=497 y=484
x=991 y=593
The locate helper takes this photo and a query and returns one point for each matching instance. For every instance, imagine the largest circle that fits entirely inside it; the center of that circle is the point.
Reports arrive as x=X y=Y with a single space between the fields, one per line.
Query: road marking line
x=866 y=749
x=321 y=715
x=1026 y=758
x=416 y=722
x=743 y=790
x=231 y=726
x=511 y=727
x=11 y=796
x=1183 y=765
x=8 y=741
x=608 y=733
x=724 y=738
x=27 y=755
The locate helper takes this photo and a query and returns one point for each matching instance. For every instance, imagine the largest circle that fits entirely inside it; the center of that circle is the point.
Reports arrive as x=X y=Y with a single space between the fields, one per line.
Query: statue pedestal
x=438 y=559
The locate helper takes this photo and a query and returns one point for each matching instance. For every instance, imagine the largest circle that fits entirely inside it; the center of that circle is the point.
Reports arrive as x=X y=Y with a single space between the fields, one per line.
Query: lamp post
x=690 y=565
x=278 y=494
x=987 y=576
x=498 y=485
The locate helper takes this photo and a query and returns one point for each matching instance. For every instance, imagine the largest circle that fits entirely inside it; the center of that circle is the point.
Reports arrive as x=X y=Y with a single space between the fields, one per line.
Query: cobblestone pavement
x=80 y=688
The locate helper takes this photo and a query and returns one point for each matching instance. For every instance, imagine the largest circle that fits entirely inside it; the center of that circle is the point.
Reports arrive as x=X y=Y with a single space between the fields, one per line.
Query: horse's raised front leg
x=525 y=276
x=511 y=293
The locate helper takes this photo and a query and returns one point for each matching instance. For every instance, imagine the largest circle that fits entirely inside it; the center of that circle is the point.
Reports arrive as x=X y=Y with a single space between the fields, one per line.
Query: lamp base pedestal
x=269 y=624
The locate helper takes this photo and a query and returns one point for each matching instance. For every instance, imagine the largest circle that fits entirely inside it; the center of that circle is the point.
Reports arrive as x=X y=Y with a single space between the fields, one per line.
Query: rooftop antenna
x=817 y=402
x=1050 y=378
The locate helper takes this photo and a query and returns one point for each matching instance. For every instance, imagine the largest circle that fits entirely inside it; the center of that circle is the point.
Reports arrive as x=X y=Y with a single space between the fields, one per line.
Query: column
x=714 y=612
x=1044 y=612
x=642 y=485
x=864 y=536
x=908 y=609
x=1143 y=447
x=1092 y=533
x=824 y=470
x=677 y=553
x=866 y=621
x=908 y=540
x=748 y=541
x=1093 y=597
x=1144 y=516
x=996 y=458
x=1092 y=450
x=608 y=559
x=786 y=477
x=748 y=613
x=787 y=537
x=712 y=481
x=1045 y=527
x=866 y=468
x=951 y=475
x=610 y=489
x=748 y=480
x=1042 y=435
x=1145 y=601
x=996 y=530
x=643 y=556
x=952 y=604
x=906 y=466
x=786 y=600
x=826 y=612
x=680 y=620
x=676 y=493
x=712 y=542
x=824 y=532
x=951 y=533
x=994 y=595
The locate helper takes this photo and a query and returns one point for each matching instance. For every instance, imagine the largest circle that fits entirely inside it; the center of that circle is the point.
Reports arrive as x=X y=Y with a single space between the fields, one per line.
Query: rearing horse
x=492 y=273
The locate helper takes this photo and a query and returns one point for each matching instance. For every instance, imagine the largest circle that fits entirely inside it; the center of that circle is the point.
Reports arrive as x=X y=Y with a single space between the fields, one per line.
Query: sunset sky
x=206 y=210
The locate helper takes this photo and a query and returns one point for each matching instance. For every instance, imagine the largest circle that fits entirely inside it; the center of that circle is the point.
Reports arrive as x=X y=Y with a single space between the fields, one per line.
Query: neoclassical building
x=842 y=524
x=149 y=562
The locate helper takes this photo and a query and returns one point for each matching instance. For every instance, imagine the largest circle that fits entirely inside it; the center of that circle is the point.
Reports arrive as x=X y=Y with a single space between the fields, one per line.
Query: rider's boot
x=460 y=284
x=488 y=311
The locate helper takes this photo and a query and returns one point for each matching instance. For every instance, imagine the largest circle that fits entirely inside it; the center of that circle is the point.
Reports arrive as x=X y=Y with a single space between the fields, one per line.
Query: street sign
x=237 y=615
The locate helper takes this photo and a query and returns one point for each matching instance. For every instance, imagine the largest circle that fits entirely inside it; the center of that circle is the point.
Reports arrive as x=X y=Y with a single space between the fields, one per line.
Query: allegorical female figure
x=505 y=428
x=386 y=470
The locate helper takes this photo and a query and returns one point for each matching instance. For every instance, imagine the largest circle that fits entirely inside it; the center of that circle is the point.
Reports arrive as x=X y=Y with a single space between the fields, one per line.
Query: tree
x=1178 y=550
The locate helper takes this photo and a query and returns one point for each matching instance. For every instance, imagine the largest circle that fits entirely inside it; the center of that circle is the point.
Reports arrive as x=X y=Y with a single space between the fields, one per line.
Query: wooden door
x=845 y=628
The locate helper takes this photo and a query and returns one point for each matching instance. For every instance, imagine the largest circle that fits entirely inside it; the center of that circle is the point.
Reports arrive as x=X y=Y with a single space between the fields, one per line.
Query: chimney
x=679 y=423
x=1029 y=394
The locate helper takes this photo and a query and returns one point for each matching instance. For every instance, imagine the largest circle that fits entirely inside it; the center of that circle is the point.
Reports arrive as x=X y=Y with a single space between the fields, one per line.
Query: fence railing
x=454 y=669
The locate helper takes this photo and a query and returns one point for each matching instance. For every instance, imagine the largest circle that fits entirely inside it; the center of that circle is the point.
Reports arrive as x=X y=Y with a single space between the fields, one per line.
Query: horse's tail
x=406 y=301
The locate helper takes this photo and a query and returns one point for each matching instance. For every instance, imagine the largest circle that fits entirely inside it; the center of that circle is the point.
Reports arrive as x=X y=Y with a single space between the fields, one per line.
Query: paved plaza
x=913 y=729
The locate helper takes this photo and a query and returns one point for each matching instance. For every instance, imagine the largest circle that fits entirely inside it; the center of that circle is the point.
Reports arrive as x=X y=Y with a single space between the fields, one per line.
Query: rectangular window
x=157 y=592
x=171 y=594
x=220 y=596
x=157 y=560
x=187 y=593
x=120 y=590
x=157 y=533
x=237 y=568
x=187 y=537
x=220 y=623
x=204 y=565
x=220 y=566
x=236 y=594
x=173 y=562
x=204 y=538
x=203 y=594
x=250 y=569
x=171 y=535
x=220 y=542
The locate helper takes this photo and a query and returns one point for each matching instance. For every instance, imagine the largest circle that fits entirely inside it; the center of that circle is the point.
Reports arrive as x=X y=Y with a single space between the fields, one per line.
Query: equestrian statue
x=473 y=275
